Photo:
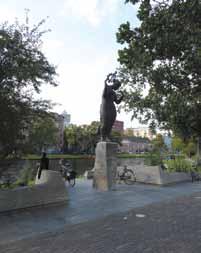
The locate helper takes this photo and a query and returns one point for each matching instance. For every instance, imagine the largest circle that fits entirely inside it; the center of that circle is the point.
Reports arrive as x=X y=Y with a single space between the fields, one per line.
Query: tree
x=177 y=144
x=23 y=68
x=116 y=136
x=188 y=147
x=128 y=132
x=93 y=138
x=43 y=134
x=81 y=138
x=70 y=137
x=161 y=65
x=158 y=143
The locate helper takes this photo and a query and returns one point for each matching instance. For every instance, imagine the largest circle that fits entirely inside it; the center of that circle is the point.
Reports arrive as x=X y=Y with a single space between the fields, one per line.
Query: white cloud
x=92 y=11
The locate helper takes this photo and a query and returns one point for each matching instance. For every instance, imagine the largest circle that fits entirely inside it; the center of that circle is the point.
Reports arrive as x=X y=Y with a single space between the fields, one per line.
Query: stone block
x=105 y=166
x=155 y=175
x=50 y=188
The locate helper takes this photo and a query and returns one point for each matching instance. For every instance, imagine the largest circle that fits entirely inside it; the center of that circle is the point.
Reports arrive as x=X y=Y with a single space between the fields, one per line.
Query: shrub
x=153 y=160
x=26 y=177
x=178 y=165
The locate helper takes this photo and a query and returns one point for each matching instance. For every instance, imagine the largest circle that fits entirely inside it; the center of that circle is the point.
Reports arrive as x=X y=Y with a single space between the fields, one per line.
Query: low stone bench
x=50 y=188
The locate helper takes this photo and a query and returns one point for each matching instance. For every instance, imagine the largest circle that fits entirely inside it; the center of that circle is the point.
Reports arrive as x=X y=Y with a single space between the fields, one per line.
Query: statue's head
x=116 y=84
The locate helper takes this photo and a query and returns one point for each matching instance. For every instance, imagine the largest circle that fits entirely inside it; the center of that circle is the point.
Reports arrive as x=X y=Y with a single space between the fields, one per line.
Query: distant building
x=143 y=132
x=61 y=121
x=67 y=118
x=135 y=145
x=128 y=132
x=118 y=126
x=168 y=141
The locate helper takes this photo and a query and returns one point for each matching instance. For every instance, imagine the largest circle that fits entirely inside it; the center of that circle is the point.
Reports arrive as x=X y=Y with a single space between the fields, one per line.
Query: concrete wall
x=155 y=175
x=50 y=188
x=130 y=161
x=174 y=177
x=149 y=174
x=13 y=167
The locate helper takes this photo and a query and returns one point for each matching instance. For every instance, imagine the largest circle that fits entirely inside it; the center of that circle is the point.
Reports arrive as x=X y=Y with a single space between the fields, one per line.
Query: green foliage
x=58 y=156
x=132 y=155
x=23 y=68
x=128 y=132
x=158 y=143
x=153 y=159
x=178 y=165
x=161 y=65
x=43 y=133
x=187 y=147
x=177 y=144
x=26 y=177
x=81 y=138
x=190 y=149
x=116 y=137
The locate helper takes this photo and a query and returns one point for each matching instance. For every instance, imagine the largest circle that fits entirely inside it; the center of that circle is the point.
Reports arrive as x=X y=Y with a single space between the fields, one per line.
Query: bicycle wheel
x=72 y=182
x=129 y=177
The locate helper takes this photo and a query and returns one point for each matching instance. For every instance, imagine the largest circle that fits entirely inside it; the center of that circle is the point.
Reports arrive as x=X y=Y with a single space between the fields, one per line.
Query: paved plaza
x=87 y=205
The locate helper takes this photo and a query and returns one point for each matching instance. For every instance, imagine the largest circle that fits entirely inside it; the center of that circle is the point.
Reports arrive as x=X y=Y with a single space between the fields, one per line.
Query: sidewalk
x=166 y=227
x=86 y=204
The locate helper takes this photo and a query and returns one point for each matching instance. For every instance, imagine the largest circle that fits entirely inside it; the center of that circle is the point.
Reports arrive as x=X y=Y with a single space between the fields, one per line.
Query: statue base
x=105 y=166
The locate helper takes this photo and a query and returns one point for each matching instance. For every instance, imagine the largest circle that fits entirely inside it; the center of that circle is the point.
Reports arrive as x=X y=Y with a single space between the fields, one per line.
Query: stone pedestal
x=105 y=166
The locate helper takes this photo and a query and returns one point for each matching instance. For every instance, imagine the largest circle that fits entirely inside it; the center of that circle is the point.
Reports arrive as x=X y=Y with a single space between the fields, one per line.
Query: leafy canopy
x=84 y=138
x=23 y=69
x=161 y=65
x=81 y=138
x=43 y=134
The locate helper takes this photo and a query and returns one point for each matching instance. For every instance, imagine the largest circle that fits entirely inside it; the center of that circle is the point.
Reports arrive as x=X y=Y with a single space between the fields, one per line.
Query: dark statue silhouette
x=108 y=110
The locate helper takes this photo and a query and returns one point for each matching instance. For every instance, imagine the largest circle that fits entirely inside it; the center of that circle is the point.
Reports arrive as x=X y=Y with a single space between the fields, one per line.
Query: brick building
x=118 y=126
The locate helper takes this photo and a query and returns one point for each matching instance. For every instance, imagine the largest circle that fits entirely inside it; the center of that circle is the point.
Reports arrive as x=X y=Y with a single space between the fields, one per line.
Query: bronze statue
x=108 y=110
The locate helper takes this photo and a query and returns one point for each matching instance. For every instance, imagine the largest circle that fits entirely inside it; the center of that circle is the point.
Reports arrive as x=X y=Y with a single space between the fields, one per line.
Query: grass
x=67 y=156
x=133 y=155
x=58 y=156
x=79 y=156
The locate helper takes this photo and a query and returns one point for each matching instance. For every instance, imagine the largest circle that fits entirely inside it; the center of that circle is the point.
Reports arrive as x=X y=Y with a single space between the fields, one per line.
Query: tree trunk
x=199 y=151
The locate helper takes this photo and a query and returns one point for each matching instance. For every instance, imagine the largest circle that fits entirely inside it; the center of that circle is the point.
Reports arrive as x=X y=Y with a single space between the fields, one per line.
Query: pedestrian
x=44 y=164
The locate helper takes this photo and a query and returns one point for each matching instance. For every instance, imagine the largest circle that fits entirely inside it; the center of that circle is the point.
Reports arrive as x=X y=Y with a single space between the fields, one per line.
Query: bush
x=178 y=165
x=26 y=177
x=153 y=160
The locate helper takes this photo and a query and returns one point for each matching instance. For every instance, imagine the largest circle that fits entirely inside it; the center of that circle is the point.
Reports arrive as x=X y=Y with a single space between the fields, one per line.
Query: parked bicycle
x=127 y=176
x=68 y=173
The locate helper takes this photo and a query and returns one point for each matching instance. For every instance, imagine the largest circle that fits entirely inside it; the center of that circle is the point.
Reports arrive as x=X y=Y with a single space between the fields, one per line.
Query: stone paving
x=86 y=204
x=172 y=226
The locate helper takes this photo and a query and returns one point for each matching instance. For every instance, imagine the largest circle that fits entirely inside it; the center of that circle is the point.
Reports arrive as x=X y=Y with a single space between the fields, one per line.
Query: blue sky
x=82 y=44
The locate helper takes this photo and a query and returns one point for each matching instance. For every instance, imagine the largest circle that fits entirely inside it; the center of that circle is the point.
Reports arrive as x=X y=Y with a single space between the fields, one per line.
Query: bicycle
x=68 y=174
x=128 y=176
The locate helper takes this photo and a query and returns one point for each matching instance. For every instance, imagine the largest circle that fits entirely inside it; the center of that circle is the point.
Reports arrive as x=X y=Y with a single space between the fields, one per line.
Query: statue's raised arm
x=108 y=109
